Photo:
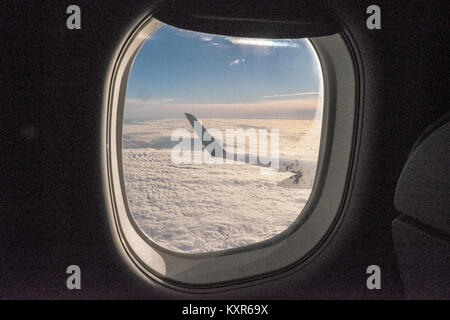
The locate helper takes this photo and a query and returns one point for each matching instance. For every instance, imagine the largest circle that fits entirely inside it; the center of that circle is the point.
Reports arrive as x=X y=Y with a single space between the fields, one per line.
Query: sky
x=212 y=76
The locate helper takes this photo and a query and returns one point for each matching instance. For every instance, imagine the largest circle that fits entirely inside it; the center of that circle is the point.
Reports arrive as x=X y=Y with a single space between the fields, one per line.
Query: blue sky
x=180 y=71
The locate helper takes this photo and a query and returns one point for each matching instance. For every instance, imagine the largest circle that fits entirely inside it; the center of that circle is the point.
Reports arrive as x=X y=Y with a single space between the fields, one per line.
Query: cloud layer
x=208 y=207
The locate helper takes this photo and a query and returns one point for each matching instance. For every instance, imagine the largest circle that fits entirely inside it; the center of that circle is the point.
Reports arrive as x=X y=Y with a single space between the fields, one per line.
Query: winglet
x=191 y=119
x=203 y=134
x=199 y=129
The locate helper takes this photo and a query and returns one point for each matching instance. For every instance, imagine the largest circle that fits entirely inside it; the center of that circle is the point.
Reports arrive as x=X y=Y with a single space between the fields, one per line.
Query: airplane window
x=220 y=138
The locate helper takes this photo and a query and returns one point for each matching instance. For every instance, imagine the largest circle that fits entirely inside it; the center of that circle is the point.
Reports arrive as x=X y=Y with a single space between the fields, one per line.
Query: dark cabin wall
x=52 y=211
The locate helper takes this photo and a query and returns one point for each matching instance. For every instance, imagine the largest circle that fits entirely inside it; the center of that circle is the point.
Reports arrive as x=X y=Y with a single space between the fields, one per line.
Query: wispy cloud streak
x=292 y=95
x=262 y=42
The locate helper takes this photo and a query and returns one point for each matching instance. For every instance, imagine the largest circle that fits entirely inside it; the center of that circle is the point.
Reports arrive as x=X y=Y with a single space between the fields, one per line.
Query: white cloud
x=234 y=62
x=237 y=61
x=205 y=37
x=139 y=103
x=262 y=42
x=209 y=207
x=292 y=95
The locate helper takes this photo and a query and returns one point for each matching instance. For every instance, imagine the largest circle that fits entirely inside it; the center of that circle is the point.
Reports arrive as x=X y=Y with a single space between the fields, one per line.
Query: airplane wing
x=303 y=170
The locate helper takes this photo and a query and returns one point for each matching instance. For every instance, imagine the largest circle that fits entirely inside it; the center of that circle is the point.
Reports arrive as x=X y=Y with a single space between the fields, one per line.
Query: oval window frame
x=212 y=269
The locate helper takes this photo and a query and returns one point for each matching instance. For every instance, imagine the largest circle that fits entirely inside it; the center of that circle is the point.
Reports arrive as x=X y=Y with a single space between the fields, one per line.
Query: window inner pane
x=261 y=102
